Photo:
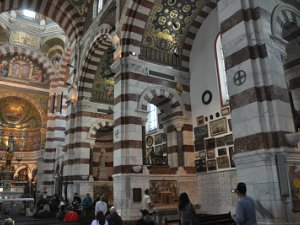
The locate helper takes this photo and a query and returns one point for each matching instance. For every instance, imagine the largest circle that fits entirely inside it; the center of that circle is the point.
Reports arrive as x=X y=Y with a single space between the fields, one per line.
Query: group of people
x=245 y=209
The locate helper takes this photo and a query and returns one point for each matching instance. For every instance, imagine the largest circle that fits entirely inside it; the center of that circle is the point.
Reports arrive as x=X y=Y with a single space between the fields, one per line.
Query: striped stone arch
x=136 y=16
x=97 y=125
x=31 y=100
x=17 y=50
x=91 y=60
x=282 y=15
x=60 y=11
x=193 y=29
x=171 y=101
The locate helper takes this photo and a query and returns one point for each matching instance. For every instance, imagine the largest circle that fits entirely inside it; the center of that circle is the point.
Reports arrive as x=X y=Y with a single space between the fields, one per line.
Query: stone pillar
x=128 y=135
x=259 y=102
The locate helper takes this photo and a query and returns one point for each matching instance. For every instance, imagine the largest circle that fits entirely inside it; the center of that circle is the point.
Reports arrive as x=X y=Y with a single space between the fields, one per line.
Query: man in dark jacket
x=113 y=217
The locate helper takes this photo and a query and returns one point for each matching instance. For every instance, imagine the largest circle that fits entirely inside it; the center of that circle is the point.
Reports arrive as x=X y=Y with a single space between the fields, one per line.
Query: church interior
x=115 y=97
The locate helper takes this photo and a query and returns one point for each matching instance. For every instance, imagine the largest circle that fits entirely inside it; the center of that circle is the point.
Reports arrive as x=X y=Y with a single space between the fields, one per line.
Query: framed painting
x=200 y=165
x=220 y=141
x=211 y=165
x=231 y=153
x=210 y=143
x=218 y=127
x=229 y=124
x=222 y=151
x=199 y=144
x=201 y=132
x=211 y=154
x=223 y=162
x=202 y=155
x=200 y=120
x=229 y=139
x=225 y=111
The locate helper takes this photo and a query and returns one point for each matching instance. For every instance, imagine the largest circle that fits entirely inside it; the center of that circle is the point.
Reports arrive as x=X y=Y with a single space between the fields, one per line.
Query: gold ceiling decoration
x=18 y=114
x=169 y=22
x=18 y=37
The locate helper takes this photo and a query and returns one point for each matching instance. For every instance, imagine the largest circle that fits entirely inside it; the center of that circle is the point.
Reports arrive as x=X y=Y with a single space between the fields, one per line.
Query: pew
x=206 y=219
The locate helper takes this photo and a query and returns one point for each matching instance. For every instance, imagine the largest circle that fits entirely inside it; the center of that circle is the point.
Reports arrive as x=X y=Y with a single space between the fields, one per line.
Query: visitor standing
x=99 y=219
x=113 y=218
x=101 y=206
x=147 y=202
x=186 y=209
x=245 y=208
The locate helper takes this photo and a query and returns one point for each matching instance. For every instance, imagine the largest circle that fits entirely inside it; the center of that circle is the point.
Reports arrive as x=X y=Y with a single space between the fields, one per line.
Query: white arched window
x=221 y=72
x=151 y=124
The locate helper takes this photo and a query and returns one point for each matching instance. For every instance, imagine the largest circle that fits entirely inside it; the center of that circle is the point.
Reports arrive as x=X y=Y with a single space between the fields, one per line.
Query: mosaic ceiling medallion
x=168 y=23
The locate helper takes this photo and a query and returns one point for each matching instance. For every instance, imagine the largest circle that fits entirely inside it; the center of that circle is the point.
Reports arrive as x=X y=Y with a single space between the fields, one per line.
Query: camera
x=233 y=190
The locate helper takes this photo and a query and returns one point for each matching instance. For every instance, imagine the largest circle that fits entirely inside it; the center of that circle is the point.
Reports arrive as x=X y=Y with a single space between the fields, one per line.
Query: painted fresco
x=22 y=69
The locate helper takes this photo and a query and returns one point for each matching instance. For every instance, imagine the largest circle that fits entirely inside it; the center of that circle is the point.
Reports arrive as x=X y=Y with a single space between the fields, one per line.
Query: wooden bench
x=219 y=219
x=205 y=219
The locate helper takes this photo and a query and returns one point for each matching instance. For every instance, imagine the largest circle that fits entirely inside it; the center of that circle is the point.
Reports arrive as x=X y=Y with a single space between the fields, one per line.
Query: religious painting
x=223 y=162
x=163 y=137
x=200 y=120
x=200 y=165
x=211 y=165
x=21 y=68
x=220 y=141
x=294 y=177
x=163 y=192
x=218 y=127
x=210 y=143
x=222 y=151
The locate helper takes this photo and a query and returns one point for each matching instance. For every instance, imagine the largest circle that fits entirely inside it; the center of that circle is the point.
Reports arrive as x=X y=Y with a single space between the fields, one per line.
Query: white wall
x=214 y=187
x=203 y=68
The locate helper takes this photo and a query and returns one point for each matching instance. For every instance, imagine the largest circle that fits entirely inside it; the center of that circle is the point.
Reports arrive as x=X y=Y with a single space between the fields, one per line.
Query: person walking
x=245 y=208
x=186 y=210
